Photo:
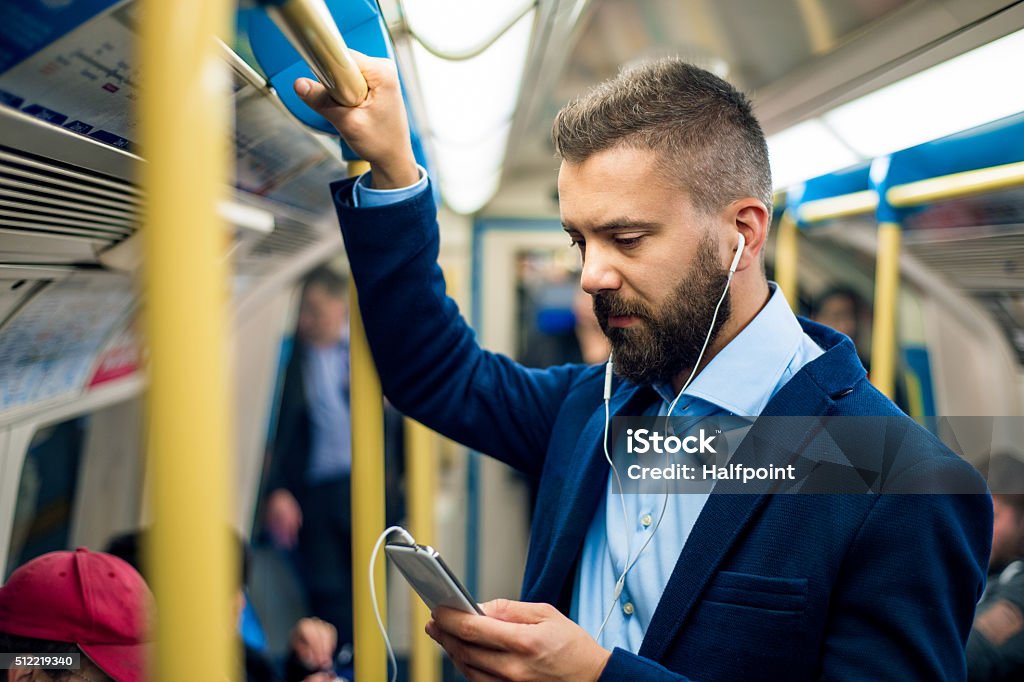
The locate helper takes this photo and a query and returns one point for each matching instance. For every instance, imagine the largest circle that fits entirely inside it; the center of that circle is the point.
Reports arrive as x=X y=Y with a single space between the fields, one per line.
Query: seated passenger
x=312 y=640
x=995 y=648
x=77 y=602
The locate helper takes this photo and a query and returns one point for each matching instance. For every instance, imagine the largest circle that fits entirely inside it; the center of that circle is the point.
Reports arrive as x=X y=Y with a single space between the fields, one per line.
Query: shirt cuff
x=363 y=195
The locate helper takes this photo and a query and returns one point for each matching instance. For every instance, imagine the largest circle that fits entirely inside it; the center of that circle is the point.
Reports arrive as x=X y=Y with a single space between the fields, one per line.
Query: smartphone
x=426 y=571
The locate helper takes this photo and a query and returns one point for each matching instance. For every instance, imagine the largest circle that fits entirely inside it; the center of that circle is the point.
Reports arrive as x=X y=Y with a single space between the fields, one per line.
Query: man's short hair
x=329 y=280
x=703 y=129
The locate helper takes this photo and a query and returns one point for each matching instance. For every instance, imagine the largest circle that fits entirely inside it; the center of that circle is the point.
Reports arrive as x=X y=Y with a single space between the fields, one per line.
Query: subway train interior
x=165 y=194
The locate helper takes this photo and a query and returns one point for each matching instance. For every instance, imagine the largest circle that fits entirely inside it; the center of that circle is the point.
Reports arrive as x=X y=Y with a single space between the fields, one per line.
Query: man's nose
x=599 y=274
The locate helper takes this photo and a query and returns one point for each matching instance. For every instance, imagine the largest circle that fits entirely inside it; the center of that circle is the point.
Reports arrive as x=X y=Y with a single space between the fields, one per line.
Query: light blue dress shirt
x=364 y=195
x=325 y=380
x=739 y=381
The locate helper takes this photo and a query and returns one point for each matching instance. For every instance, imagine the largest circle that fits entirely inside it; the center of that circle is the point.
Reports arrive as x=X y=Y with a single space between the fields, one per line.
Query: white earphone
x=741 y=242
x=631 y=560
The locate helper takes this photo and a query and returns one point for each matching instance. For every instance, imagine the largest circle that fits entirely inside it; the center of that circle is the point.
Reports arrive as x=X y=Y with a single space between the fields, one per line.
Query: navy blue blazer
x=767 y=587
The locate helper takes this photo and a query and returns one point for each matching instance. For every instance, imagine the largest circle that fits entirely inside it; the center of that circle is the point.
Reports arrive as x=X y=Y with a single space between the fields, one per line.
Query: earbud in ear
x=739 y=253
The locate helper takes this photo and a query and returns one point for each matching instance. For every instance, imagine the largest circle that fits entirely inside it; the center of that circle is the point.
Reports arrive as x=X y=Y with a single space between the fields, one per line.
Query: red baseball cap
x=91 y=599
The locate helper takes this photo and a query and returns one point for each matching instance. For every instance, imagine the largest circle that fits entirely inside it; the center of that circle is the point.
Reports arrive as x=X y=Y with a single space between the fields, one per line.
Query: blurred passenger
x=995 y=648
x=312 y=640
x=307 y=508
x=843 y=309
x=77 y=602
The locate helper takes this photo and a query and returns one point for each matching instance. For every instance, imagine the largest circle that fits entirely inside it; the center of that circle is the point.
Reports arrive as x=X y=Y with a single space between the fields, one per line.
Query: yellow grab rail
x=367 y=483
x=856 y=203
x=787 y=257
x=311 y=30
x=367 y=498
x=887 y=290
x=421 y=484
x=185 y=119
x=957 y=185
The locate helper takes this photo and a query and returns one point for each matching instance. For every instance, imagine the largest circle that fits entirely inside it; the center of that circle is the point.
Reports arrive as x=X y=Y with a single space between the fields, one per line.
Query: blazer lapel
x=726 y=513
x=584 y=485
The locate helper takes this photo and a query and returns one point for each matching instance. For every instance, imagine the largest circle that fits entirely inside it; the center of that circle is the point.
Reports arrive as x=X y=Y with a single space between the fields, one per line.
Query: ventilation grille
x=992 y=262
x=288 y=239
x=989 y=267
x=43 y=197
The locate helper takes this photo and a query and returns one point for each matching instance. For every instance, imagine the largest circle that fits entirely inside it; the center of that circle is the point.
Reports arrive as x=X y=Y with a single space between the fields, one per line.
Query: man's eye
x=628 y=242
x=576 y=242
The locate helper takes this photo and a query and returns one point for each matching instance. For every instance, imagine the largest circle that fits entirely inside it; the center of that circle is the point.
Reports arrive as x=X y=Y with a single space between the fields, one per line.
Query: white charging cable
x=620 y=583
x=373 y=591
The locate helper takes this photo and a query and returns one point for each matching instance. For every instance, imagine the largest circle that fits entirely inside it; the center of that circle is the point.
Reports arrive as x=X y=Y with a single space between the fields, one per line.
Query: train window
x=46 y=492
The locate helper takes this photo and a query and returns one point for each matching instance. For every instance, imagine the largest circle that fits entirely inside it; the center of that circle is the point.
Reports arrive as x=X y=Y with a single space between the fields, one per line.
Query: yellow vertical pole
x=367 y=490
x=420 y=484
x=185 y=128
x=787 y=256
x=887 y=283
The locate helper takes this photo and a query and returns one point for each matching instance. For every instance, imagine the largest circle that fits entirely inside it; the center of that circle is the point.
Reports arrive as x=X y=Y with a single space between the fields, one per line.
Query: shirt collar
x=742 y=378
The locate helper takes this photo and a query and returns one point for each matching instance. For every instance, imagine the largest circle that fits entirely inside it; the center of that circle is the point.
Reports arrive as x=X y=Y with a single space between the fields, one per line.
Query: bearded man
x=665 y=189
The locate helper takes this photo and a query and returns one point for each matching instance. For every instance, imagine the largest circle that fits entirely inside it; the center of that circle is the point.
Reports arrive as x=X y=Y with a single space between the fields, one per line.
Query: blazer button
x=627 y=608
x=841 y=394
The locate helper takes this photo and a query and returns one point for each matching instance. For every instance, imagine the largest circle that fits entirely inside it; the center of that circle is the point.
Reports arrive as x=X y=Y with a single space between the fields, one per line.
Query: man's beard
x=663 y=345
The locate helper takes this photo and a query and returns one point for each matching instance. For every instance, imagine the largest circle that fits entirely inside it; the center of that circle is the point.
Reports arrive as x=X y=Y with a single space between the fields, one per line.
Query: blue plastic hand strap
x=362 y=28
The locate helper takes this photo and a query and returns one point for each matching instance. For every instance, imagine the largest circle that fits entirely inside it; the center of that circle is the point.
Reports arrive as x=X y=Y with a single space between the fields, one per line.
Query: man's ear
x=752 y=219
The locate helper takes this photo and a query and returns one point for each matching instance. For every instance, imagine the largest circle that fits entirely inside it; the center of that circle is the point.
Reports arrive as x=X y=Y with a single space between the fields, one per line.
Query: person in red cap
x=66 y=602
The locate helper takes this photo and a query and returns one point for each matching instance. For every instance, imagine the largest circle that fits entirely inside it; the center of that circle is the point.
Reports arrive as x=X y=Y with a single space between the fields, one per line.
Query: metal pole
x=787 y=256
x=185 y=121
x=420 y=484
x=311 y=30
x=883 y=336
x=367 y=482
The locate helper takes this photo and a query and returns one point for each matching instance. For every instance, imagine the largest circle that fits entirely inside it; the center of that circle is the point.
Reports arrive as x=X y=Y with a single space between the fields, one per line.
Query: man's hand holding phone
x=517 y=641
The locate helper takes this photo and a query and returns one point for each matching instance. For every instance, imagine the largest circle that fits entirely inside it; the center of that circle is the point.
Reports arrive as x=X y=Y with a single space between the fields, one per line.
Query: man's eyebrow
x=617 y=224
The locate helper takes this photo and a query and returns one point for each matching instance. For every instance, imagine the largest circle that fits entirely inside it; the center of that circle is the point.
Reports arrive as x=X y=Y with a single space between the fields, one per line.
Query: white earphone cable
x=373 y=591
x=622 y=498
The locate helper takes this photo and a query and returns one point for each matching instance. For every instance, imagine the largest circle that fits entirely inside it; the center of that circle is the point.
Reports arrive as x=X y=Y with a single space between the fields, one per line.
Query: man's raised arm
x=430 y=365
